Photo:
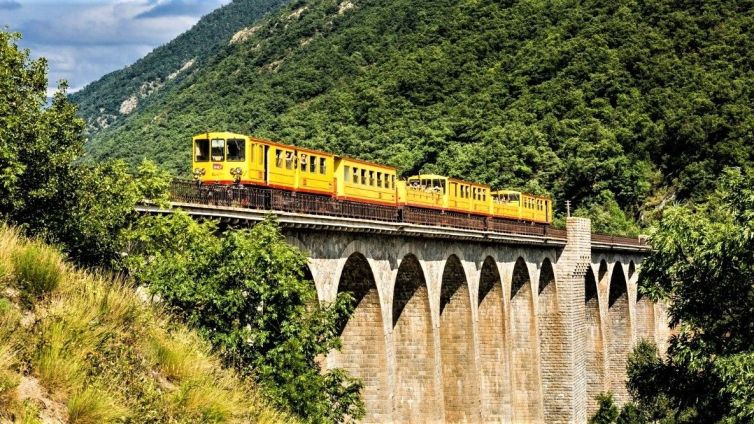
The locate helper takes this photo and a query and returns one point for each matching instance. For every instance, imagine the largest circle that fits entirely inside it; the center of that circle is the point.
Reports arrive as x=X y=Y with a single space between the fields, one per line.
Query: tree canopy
x=703 y=265
x=648 y=100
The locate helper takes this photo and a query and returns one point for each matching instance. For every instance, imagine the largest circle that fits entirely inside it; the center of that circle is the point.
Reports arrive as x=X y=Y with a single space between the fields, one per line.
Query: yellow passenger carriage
x=521 y=206
x=299 y=169
x=363 y=181
x=440 y=192
x=229 y=158
x=423 y=191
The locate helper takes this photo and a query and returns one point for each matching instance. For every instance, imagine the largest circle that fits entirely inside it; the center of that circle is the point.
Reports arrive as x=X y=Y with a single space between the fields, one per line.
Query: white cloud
x=85 y=39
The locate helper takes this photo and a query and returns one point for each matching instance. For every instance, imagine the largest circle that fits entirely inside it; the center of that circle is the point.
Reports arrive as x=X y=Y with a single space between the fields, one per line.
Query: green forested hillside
x=639 y=102
x=119 y=93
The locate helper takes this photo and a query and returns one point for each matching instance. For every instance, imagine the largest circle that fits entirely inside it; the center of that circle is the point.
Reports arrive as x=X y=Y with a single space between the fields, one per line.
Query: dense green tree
x=37 y=144
x=572 y=97
x=42 y=189
x=702 y=265
x=245 y=291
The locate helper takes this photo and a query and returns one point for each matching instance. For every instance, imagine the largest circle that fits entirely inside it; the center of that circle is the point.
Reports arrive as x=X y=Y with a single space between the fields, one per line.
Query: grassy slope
x=85 y=348
x=103 y=97
x=574 y=97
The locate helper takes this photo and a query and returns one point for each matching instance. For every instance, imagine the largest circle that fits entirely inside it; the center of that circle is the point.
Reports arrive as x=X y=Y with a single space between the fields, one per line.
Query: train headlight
x=198 y=173
x=236 y=173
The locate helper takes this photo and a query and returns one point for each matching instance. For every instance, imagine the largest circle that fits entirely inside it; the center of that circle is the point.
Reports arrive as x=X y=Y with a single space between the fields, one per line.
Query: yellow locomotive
x=225 y=158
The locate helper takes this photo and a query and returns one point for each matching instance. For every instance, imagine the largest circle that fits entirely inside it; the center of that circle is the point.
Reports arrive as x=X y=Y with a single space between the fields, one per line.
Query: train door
x=266 y=164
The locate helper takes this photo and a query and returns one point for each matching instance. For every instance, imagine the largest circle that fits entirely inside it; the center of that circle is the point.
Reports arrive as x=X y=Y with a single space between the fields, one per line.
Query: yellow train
x=225 y=158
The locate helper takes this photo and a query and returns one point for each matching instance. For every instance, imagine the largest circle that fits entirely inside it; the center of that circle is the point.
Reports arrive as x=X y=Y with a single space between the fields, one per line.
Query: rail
x=186 y=191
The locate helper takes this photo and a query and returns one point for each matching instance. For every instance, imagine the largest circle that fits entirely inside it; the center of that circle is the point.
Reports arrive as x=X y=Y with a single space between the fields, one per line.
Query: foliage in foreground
x=703 y=265
x=89 y=212
x=244 y=290
x=88 y=350
x=42 y=188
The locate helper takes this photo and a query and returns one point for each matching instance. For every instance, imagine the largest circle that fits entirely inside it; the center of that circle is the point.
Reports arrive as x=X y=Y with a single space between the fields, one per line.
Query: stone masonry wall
x=457 y=331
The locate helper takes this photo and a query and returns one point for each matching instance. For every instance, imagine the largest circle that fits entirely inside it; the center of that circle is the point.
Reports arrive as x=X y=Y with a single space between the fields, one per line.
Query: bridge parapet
x=247 y=205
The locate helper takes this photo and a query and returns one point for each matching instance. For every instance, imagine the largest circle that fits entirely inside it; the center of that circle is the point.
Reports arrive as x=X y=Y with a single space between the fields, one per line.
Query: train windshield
x=218 y=150
x=236 y=149
x=201 y=150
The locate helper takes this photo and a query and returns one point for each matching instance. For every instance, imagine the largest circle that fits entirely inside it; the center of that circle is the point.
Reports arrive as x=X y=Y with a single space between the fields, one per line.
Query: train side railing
x=187 y=191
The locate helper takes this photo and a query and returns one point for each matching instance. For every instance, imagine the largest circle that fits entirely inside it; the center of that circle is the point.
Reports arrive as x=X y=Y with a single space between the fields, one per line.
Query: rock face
x=106 y=102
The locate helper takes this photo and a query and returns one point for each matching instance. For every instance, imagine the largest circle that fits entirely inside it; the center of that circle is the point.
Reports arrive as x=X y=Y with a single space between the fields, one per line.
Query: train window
x=371 y=178
x=303 y=162
x=288 y=160
x=278 y=158
x=261 y=154
x=356 y=176
x=322 y=166
x=218 y=150
x=347 y=174
x=387 y=181
x=236 y=149
x=201 y=150
x=392 y=181
x=364 y=176
x=312 y=163
x=379 y=179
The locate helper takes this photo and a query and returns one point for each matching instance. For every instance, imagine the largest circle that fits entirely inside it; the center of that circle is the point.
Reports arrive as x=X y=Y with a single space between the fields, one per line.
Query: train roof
x=366 y=162
x=522 y=194
x=443 y=177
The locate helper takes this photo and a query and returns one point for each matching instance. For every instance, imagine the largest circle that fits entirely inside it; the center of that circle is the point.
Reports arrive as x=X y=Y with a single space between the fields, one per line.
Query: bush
x=91 y=406
x=38 y=270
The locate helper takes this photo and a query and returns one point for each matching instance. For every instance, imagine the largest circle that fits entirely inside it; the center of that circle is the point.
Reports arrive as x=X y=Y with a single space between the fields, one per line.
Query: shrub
x=38 y=270
x=91 y=406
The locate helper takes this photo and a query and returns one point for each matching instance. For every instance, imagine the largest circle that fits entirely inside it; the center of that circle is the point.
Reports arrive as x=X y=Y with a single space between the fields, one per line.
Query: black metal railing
x=186 y=191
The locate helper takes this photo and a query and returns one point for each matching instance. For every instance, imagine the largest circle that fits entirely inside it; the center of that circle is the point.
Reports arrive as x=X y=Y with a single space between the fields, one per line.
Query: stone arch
x=594 y=349
x=363 y=352
x=415 y=398
x=645 y=309
x=493 y=347
x=603 y=273
x=460 y=384
x=552 y=340
x=527 y=394
x=619 y=334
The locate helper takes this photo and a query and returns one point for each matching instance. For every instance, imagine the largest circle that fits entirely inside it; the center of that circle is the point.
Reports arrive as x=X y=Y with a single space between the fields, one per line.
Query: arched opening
x=645 y=310
x=460 y=384
x=363 y=340
x=414 y=346
x=527 y=394
x=493 y=352
x=619 y=341
x=552 y=338
x=595 y=350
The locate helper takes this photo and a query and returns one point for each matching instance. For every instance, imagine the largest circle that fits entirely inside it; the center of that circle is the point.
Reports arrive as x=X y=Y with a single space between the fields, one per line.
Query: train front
x=219 y=158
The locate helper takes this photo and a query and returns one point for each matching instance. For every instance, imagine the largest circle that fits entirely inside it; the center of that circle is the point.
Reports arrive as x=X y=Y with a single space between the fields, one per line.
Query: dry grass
x=92 y=406
x=103 y=354
x=38 y=269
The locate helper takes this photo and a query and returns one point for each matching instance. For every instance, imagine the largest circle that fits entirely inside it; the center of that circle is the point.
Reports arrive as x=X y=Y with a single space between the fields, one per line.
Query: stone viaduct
x=457 y=326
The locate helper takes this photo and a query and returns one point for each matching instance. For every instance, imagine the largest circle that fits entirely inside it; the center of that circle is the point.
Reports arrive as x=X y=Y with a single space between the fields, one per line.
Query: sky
x=86 y=39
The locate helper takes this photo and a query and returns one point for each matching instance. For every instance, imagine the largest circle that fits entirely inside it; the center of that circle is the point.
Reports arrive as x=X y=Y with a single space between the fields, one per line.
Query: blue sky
x=85 y=39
